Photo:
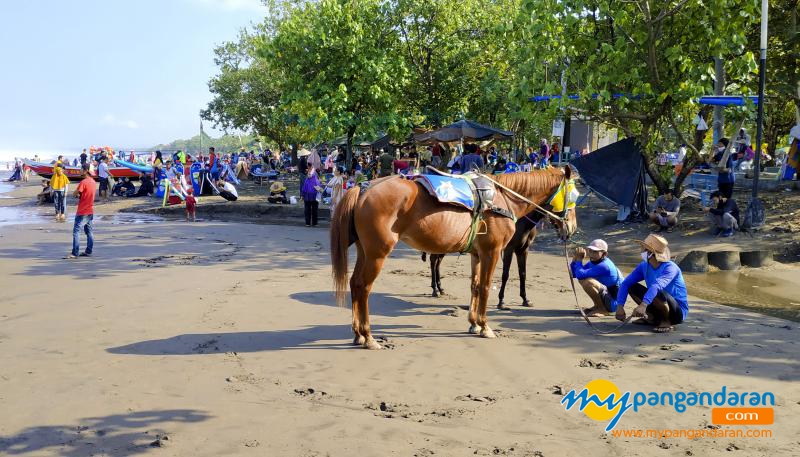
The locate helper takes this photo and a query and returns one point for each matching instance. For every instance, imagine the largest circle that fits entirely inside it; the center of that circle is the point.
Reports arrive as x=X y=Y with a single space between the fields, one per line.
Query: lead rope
x=566 y=257
x=577 y=305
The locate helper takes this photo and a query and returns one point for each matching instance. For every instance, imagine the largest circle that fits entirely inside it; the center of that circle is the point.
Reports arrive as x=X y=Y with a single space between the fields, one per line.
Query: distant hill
x=224 y=143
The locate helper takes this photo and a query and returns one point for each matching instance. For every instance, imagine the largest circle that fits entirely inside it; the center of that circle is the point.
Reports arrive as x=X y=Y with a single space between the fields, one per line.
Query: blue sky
x=123 y=73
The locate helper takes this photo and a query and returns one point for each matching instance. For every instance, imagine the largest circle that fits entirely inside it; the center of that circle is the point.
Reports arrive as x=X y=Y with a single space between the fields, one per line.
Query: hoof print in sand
x=482 y=399
x=586 y=363
x=210 y=345
x=160 y=441
x=383 y=341
x=390 y=410
x=310 y=392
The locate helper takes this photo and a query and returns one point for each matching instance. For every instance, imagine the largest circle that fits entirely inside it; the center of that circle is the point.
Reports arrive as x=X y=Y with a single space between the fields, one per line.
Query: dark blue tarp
x=617 y=173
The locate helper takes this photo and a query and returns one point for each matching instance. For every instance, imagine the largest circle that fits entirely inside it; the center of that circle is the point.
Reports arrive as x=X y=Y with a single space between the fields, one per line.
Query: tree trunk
x=351 y=131
x=294 y=154
x=692 y=159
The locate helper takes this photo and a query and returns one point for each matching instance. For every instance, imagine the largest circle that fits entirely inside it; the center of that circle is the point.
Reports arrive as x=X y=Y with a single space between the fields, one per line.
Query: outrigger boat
x=45 y=170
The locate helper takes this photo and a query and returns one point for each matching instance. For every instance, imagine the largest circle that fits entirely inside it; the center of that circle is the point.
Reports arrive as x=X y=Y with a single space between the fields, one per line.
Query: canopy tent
x=463 y=130
x=616 y=172
x=382 y=141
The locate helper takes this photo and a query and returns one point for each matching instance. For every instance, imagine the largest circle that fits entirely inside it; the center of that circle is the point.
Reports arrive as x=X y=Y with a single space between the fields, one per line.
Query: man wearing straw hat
x=662 y=302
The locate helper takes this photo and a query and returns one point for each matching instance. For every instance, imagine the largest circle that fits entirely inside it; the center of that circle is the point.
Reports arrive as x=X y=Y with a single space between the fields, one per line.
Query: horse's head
x=563 y=204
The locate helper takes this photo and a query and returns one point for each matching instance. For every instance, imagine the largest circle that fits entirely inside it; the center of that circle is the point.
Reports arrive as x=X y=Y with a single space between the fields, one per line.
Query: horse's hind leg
x=358 y=271
x=487 y=264
x=473 y=301
x=361 y=288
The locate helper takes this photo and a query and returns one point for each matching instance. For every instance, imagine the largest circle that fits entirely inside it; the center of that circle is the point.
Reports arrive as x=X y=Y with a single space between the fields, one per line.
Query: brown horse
x=395 y=209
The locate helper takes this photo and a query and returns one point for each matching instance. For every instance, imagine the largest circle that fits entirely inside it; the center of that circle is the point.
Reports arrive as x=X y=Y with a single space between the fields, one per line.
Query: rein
x=536 y=206
x=563 y=218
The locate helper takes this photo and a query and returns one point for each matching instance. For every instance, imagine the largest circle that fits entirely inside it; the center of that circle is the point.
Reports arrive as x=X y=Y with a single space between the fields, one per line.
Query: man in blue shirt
x=726 y=177
x=662 y=303
x=599 y=277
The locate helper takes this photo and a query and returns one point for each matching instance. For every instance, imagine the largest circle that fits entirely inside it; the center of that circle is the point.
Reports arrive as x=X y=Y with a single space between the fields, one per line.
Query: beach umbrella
x=464 y=130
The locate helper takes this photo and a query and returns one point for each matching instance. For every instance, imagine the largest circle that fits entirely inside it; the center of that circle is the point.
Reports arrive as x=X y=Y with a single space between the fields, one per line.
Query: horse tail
x=342 y=236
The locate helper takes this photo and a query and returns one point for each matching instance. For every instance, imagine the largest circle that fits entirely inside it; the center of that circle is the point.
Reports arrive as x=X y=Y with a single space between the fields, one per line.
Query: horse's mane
x=532 y=183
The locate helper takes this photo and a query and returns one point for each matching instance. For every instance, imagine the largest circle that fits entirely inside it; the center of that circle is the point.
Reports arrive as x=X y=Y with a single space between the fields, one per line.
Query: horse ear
x=567 y=172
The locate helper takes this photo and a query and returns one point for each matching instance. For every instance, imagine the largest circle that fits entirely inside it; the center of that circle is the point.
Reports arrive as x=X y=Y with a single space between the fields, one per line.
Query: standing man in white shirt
x=102 y=174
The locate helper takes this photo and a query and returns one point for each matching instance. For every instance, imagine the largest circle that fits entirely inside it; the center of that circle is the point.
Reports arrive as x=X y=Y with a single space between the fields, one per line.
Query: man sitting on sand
x=666 y=211
x=662 y=303
x=599 y=277
x=724 y=215
x=46 y=195
x=277 y=193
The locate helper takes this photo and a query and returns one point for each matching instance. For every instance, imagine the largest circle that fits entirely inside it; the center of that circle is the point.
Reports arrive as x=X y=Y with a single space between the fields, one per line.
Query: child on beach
x=191 y=203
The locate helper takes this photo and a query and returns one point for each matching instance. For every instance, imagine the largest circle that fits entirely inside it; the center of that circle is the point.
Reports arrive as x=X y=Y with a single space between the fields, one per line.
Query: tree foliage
x=340 y=74
x=656 y=53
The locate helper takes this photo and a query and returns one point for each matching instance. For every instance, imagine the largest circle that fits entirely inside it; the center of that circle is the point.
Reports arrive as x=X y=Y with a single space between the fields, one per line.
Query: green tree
x=247 y=93
x=340 y=74
x=455 y=55
x=656 y=52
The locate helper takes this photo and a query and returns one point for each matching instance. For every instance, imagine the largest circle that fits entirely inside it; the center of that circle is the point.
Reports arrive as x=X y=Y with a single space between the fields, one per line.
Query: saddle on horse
x=472 y=191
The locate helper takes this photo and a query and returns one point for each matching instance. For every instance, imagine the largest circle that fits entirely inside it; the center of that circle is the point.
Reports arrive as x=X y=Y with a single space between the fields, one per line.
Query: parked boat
x=45 y=170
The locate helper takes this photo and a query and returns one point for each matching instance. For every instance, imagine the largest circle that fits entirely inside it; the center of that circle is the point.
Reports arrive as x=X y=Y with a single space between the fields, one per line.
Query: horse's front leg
x=522 y=258
x=507 y=256
x=439 y=259
x=487 y=265
x=474 y=328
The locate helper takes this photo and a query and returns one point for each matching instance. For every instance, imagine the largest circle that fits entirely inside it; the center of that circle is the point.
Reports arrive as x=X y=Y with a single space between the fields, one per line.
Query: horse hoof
x=474 y=329
x=359 y=340
x=434 y=294
x=487 y=333
x=441 y=291
x=502 y=305
x=372 y=344
x=527 y=304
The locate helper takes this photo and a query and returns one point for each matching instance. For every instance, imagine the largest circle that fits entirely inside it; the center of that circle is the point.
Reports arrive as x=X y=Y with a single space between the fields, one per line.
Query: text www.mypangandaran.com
x=691 y=433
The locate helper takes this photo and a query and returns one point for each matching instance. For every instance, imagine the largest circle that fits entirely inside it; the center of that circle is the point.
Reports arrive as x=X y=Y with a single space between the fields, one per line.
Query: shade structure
x=466 y=130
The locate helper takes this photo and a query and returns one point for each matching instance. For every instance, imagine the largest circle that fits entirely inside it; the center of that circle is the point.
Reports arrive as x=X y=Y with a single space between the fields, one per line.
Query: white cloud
x=111 y=121
x=234 y=5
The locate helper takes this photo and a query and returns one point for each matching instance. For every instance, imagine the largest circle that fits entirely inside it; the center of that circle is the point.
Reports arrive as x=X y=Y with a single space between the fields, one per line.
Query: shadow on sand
x=118 y=434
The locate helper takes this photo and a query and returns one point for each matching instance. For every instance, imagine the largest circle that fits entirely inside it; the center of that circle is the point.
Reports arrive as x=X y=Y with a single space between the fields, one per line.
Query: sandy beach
x=221 y=338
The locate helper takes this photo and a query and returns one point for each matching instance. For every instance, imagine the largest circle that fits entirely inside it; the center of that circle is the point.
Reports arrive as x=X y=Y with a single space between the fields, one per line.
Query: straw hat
x=303 y=152
x=277 y=186
x=658 y=246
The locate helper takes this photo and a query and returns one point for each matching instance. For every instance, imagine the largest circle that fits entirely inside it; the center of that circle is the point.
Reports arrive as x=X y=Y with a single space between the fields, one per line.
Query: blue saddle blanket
x=455 y=191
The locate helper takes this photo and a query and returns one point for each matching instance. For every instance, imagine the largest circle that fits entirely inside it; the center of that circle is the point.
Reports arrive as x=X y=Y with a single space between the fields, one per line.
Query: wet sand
x=218 y=338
